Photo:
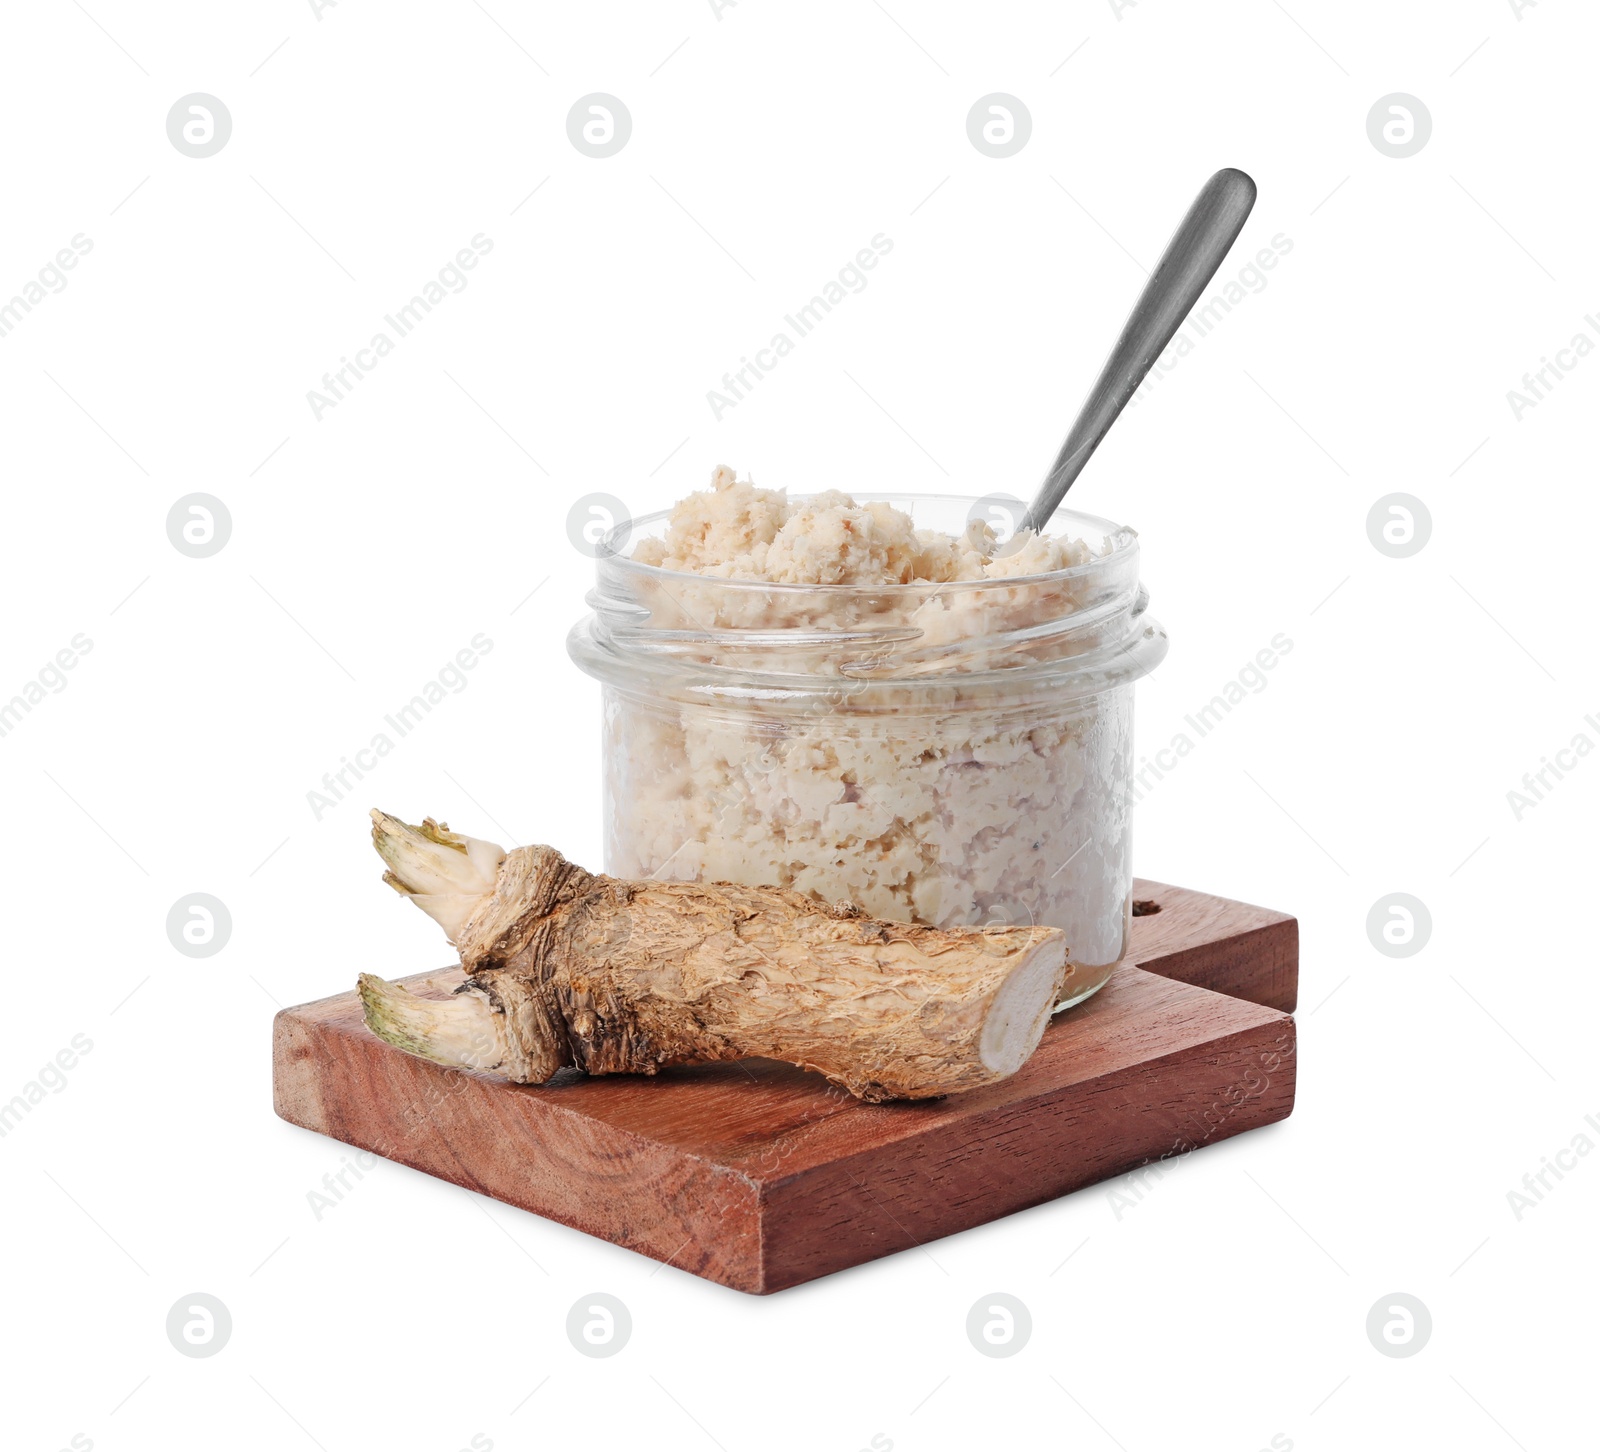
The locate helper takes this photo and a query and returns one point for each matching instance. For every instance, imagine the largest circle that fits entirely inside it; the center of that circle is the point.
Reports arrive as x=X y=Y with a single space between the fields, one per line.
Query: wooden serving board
x=761 y=1176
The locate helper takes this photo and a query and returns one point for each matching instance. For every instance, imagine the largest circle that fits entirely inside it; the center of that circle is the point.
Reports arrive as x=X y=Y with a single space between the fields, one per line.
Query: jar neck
x=1072 y=633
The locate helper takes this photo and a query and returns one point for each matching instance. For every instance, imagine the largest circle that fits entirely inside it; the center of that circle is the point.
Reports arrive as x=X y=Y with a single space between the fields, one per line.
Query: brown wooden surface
x=1229 y=947
x=761 y=1176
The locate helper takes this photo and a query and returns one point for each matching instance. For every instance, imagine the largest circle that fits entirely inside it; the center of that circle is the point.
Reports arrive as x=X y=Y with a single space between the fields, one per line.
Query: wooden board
x=761 y=1176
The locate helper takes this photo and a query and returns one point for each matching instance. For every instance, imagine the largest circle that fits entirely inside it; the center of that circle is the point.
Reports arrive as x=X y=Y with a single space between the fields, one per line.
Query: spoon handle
x=1186 y=267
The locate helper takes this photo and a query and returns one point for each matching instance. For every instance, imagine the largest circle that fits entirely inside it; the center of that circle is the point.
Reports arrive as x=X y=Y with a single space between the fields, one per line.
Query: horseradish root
x=571 y=968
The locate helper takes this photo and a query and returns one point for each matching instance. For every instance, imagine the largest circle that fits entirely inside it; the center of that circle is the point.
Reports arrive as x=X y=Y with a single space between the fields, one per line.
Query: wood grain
x=761 y=1176
x=1229 y=947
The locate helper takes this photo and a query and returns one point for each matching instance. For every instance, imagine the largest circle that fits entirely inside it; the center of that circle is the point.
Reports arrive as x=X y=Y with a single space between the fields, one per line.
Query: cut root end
x=1021 y=1008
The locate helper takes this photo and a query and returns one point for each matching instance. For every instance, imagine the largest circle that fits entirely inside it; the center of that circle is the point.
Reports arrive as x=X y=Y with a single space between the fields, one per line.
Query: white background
x=770 y=144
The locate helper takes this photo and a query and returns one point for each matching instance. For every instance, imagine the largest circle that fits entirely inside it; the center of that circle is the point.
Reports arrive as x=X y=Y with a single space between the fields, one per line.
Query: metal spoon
x=1186 y=267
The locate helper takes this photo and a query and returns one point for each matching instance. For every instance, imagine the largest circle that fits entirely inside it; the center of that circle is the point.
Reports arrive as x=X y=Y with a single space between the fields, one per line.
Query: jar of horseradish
x=874 y=697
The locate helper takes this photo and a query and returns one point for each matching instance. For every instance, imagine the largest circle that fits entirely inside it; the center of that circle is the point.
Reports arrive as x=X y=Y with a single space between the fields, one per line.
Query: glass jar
x=955 y=753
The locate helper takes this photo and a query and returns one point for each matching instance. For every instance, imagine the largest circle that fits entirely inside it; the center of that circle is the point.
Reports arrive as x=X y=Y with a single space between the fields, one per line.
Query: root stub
x=567 y=967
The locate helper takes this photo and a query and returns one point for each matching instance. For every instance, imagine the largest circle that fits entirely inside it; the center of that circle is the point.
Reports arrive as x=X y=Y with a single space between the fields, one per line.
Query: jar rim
x=1123 y=539
x=778 y=645
x=1116 y=664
